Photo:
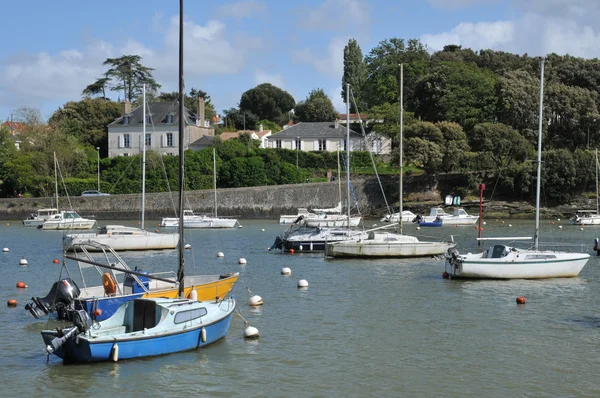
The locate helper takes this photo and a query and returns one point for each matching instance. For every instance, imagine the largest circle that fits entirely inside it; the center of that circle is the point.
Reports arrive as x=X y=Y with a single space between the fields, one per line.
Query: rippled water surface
x=362 y=328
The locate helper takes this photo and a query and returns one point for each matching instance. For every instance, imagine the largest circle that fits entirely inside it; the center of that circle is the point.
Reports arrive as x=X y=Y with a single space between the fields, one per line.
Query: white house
x=326 y=136
x=162 y=129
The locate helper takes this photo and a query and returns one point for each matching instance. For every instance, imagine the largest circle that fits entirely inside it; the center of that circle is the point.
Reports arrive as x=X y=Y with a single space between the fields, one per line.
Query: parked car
x=94 y=193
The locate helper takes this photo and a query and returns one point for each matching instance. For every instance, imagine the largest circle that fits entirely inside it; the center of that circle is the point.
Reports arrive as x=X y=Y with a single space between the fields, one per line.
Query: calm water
x=363 y=328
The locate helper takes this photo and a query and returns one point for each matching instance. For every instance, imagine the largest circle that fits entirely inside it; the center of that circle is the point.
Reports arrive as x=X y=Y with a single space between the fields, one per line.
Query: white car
x=94 y=193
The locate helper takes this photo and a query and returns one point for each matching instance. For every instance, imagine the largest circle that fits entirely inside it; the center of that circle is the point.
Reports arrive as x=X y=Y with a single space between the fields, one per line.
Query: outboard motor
x=417 y=219
x=60 y=300
x=278 y=244
x=81 y=324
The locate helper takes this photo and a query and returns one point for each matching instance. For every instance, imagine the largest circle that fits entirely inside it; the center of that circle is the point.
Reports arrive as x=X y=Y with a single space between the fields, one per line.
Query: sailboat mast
x=180 y=269
x=55 y=180
x=536 y=236
x=348 y=149
x=597 y=209
x=143 y=152
x=215 y=178
x=339 y=178
x=400 y=210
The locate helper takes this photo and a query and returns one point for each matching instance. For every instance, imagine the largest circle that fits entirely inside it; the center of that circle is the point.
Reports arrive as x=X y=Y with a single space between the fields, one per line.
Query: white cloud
x=330 y=64
x=242 y=9
x=338 y=15
x=335 y=94
x=261 y=76
x=473 y=35
x=32 y=79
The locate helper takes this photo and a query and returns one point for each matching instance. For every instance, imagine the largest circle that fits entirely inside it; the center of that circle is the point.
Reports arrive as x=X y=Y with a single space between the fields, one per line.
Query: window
x=126 y=141
x=169 y=139
x=148 y=119
x=126 y=119
x=323 y=145
x=278 y=143
x=298 y=145
x=345 y=145
x=148 y=139
x=170 y=118
x=186 y=316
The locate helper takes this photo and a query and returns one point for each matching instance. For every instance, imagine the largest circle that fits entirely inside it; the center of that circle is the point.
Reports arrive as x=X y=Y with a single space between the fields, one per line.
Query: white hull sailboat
x=120 y=237
x=387 y=244
x=38 y=218
x=505 y=262
x=407 y=216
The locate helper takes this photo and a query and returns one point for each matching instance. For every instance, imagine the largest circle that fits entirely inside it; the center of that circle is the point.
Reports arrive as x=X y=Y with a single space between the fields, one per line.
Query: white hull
x=332 y=221
x=517 y=264
x=593 y=219
x=33 y=223
x=387 y=245
x=407 y=216
x=36 y=220
x=135 y=240
x=452 y=220
x=210 y=222
x=68 y=224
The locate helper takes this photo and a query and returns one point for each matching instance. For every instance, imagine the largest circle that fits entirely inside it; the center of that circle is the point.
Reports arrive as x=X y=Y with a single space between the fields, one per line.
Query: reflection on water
x=363 y=328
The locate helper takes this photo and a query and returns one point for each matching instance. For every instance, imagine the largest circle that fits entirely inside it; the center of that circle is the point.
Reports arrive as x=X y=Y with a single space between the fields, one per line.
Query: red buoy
x=520 y=300
x=156 y=230
x=55 y=261
x=445 y=275
x=12 y=303
x=21 y=285
x=98 y=312
x=292 y=251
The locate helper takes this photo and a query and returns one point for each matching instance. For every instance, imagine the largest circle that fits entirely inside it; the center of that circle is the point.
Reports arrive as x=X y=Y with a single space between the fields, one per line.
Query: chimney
x=260 y=128
x=125 y=108
x=337 y=123
x=201 y=111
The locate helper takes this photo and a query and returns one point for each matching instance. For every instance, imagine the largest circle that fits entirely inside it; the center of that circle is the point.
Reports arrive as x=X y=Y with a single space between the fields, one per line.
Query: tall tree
x=316 y=108
x=355 y=74
x=128 y=75
x=267 y=101
x=98 y=87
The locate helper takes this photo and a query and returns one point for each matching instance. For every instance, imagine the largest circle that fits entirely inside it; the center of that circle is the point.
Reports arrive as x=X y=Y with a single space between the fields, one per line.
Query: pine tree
x=355 y=73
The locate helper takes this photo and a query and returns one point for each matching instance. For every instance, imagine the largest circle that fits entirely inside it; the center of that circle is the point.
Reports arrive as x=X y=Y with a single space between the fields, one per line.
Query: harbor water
x=362 y=328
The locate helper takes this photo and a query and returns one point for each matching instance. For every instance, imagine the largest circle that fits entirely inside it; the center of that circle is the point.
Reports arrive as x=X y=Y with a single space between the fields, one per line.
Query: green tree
x=86 y=120
x=190 y=101
x=424 y=154
x=127 y=74
x=316 y=108
x=355 y=74
x=236 y=119
x=455 y=145
x=500 y=143
x=98 y=87
x=267 y=101
x=269 y=125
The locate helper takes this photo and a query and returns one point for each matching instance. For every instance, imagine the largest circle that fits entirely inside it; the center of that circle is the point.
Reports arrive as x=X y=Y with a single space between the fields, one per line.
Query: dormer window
x=170 y=118
x=148 y=119
x=126 y=119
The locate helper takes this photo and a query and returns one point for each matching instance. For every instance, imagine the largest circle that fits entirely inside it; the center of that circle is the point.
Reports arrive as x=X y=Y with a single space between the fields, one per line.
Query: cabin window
x=540 y=257
x=323 y=145
x=169 y=139
x=186 y=316
x=148 y=139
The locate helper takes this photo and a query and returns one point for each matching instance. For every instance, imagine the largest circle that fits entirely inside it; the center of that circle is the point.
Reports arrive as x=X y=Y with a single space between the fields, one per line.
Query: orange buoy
x=456 y=225
x=98 y=312
x=481 y=229
x=292 y=251
x=12 y=303
x=8 y=224
x=156 y=230
x=476 y=227
x=21 y=285
x=502 y=222
x=445 y=275
x=55 y=261
x=520 y=300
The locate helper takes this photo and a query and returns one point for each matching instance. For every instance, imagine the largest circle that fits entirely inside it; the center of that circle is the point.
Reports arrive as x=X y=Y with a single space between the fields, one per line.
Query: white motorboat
x=506 y=262
x=459 y=217
x=314 y=239
x=407 y=216
x=67 y=220
x=37 y=219
x=331 y=220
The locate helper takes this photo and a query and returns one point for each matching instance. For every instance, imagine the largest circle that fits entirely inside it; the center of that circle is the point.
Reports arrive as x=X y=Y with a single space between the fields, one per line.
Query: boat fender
x=203 y=334
x=110 y=287
x=596 y=246
x=115 y=352
x=194 y=295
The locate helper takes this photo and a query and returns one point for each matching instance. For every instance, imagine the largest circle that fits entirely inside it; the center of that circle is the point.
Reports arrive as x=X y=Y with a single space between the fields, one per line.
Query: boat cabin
x=460 y=213
x=437 y=212
x=497 y=251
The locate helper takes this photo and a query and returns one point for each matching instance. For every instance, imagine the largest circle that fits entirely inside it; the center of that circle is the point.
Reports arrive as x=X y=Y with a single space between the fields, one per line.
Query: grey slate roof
x=315 y=130
x=205 y=140
x=159 y=111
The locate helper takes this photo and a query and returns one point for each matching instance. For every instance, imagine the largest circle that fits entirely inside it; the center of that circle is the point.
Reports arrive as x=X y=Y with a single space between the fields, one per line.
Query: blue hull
x=108 y=305
x=139 y=347
x=430 y=224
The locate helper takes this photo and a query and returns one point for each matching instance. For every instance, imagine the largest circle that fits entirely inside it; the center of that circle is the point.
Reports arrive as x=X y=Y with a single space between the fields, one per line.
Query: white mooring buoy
x=262 y=230
x=302 y=283
x=240 y=226
x=220 y=254
x=5 y=250
x=242 y=261
x=255 y=301
x=251 y=332
x=560 y=227
x=23 y=261
x=286 y=271
x=187 y=246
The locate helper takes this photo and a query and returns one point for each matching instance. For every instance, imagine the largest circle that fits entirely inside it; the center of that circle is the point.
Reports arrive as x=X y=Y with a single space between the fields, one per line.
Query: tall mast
x=401 y=136
x=215 y=178
x=143 y=153
x=348 y=149
x=339 y=177
x=55 y=180
x=180 y=269
x=536 y=235
x=597 y=210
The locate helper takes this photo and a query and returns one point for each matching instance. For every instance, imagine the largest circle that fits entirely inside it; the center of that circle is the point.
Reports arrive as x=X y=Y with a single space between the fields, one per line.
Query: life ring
x=110 y=287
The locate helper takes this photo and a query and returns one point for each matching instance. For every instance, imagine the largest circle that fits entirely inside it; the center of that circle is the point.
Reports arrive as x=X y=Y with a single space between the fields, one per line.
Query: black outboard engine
x=60 y=300
x=417 y=219
x=278 y=244
x=81 y=324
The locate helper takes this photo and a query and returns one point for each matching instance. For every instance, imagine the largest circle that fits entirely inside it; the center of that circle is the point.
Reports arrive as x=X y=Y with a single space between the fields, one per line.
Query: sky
x=50 y=53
